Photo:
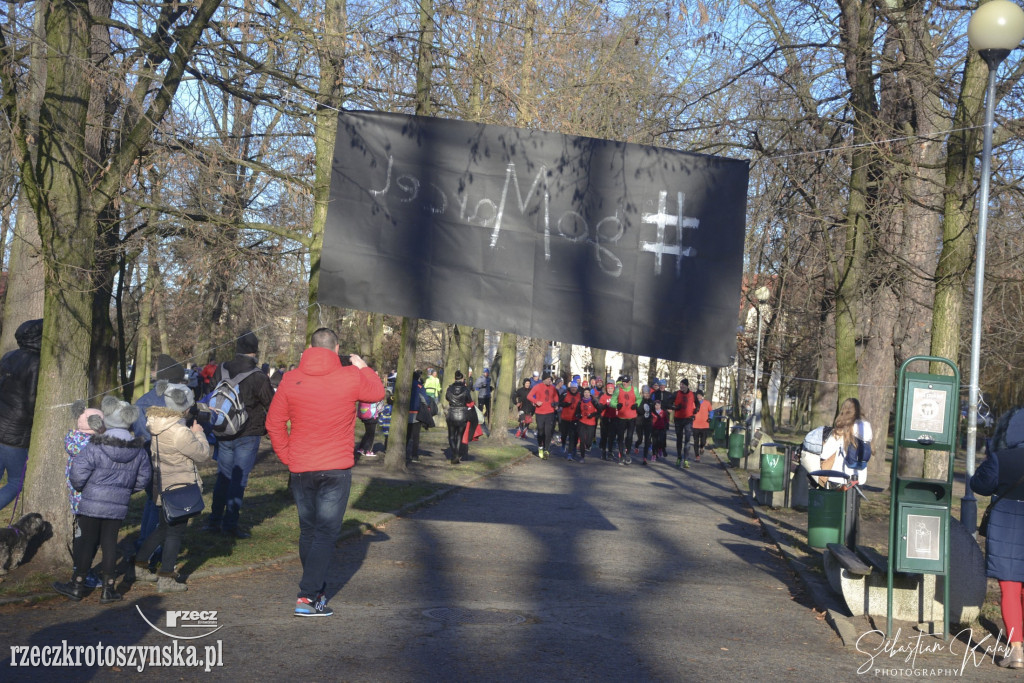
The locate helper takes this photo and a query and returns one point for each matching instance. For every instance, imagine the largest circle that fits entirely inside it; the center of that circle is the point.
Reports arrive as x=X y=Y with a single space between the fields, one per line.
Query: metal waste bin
x=773 y=469
x=721 y=429
x=826 y=517
x=736 y=441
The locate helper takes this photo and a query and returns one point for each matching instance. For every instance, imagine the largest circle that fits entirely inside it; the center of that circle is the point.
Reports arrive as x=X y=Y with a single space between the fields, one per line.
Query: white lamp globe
x=996 y=25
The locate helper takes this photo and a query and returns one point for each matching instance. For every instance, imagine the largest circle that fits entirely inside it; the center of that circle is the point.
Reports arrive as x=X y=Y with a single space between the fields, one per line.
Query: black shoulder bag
x=180 y=501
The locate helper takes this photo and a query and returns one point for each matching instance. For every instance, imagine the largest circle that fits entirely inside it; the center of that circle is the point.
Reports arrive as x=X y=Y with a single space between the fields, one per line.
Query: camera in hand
x=201 y=413
x=346 y=358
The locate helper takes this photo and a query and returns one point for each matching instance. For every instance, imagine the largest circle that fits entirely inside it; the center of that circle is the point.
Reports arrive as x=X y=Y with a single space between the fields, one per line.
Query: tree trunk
x=451 y=356
x=25 y=276
x=478 y=359
x=394 y=457
x=958 y=235
x=144 y=348
x=331 y=94
x=505 y=384
x=565 y=360
x=534 y=357
x=25 y=269
x=858 y=28
x=599 y=359
x=68 y=204
x=826 y=391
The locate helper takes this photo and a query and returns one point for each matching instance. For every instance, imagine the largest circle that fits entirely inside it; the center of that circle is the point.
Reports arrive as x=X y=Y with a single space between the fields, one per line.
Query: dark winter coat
x=458 y=397
x=522 y=402
x=255 y=390
x=19 y=374
x=1004 y=545
x=108 y=470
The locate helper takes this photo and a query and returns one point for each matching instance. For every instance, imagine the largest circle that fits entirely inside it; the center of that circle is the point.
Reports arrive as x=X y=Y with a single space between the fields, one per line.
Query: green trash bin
x=720 y=430
x=773 y=469
x=826 y=517
x=736 y=442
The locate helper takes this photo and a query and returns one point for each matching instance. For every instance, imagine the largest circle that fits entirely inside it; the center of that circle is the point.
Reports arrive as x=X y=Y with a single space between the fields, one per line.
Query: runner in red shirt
x=570 y=404
x=701 y=424
x=607 y=420
x=545 y=398
x=586 y=427
x=624 y=401
x=684 y=406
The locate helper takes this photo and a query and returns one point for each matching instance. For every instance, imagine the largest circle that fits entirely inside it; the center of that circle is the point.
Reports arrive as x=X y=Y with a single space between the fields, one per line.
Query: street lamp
x=996 y=28
x=762 y=294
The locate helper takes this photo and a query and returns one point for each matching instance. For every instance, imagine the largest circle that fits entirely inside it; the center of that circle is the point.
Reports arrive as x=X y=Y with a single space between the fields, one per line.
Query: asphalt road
x=548 y=571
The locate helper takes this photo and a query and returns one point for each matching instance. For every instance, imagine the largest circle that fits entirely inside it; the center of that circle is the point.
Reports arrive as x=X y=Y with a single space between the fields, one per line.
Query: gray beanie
x=178 y=397
x=118 y=414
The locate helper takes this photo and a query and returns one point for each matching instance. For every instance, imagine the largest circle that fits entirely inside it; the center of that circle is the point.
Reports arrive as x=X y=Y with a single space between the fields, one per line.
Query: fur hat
x=247 y=342
x=118 y=414
x=167 y=368
x=178 y=397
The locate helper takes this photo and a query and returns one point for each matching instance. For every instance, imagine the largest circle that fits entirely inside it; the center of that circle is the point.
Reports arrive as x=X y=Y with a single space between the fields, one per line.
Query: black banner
x=605 y=244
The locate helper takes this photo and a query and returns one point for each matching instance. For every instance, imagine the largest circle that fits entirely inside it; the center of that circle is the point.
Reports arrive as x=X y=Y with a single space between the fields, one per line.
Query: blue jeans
x=321 y=498
x=234 y=462
x=13 y=460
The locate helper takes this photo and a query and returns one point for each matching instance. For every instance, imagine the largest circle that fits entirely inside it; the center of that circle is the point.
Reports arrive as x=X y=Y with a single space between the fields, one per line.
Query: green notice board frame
x=927 y=411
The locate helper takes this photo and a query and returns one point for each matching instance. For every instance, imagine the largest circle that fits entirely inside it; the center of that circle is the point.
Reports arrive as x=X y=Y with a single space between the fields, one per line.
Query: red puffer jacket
x=319 y=399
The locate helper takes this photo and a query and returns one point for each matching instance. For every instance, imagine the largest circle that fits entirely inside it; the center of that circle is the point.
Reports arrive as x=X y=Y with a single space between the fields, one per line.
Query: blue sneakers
x=304 y=607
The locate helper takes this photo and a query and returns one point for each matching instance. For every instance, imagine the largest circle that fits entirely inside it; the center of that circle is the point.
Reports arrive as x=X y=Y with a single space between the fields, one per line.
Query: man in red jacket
x=319 y=399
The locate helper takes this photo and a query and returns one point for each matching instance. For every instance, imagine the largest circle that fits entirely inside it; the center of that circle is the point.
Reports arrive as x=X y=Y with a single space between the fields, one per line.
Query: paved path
x=549 y=571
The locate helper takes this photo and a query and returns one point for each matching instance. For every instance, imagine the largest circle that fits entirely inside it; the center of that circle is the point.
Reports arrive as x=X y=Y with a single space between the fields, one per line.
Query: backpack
x=815 y=439
x=857 y=458
x=228 y=413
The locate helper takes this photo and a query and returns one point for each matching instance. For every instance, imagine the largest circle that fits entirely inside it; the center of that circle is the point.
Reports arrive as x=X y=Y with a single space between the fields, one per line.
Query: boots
x=167 y=582
x=109 y=593
x=74 y=589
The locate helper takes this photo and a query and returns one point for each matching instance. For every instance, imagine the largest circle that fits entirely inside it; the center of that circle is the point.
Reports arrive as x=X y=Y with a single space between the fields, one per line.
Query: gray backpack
x=815 y=439
x=228 y=411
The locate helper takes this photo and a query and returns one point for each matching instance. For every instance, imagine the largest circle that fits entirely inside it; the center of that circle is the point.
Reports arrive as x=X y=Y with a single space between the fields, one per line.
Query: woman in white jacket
x=851 y=434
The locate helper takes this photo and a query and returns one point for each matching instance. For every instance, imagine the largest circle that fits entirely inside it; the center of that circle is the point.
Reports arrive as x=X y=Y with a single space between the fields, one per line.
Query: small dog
x=14 y=540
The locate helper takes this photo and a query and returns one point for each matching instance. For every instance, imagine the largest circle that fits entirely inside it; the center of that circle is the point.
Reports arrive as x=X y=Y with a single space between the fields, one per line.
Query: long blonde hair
x=849 y=415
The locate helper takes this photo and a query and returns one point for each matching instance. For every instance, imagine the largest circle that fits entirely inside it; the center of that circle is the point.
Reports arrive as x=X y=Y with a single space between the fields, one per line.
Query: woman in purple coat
x=107 y=470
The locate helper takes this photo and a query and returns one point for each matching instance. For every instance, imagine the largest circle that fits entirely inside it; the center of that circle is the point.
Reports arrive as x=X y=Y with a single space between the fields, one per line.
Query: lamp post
x=996 y=28
x=761 y=294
